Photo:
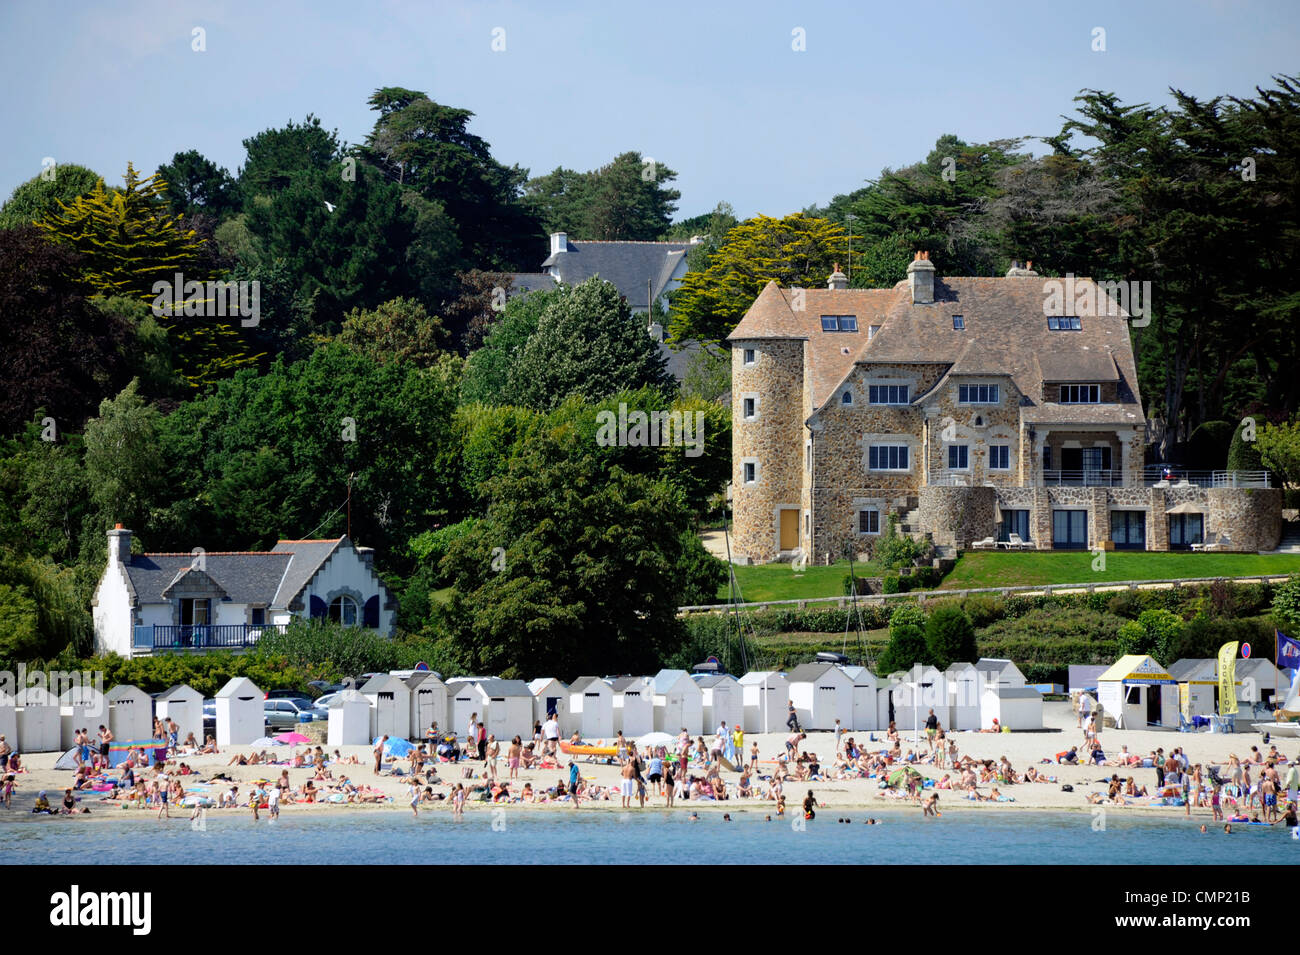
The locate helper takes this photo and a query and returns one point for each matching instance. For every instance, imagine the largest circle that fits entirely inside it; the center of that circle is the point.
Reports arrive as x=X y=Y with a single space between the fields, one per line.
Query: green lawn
x=780 y=582
x=1032 y=568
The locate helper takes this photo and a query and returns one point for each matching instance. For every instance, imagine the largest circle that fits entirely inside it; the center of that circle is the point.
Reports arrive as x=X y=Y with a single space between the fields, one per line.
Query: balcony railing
x=1156 y=477
x=1086 y=478
x=226 y=636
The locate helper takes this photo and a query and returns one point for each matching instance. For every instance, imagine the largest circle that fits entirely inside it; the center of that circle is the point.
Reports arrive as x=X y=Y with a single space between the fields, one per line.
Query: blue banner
x=1288 y=651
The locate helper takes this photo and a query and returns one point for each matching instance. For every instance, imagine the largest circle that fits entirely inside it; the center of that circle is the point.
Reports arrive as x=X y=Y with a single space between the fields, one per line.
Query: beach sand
x=1023 y=749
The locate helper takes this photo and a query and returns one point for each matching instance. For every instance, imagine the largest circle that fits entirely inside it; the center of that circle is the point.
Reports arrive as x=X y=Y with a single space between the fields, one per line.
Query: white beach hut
x=766 y=694
x=1259 y=681
x=1138 y=693
x=866 y=688
x=9 y=720
x=999 y=672
x=1198 y=685
x=80 y=708
x=428 y=695
x=463 y=701
x=130 y=713
x=634 y=705
x=723 y=701
x=390 y=706
x=591 y=704
x=1014 y=707
x=349 y=720
x=184 y=704
x=38 y=726
x=679 y=703
x=965 y=698
x=509 y=709
x=551 y=696
x=822 y=694
x=241 y=712
x=920 y=690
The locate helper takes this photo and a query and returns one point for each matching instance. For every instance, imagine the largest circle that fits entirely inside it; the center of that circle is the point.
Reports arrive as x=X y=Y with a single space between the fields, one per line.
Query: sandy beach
x=1022 y=749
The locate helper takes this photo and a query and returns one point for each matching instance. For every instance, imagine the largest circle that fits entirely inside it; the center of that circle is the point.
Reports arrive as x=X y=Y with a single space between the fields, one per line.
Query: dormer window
x=1080 y=394
x=978 y=394
x=887 y=394
x=1064 y=323
x=839 y=323
x=959 y=323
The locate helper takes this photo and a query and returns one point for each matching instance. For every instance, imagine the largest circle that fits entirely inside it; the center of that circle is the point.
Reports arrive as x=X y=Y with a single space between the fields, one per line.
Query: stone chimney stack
x=119 y=545
x=920 y=279
x=838 y=280
x=559 y=242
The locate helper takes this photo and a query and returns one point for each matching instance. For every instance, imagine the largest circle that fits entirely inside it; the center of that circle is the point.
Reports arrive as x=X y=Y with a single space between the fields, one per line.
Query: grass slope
x=1034 y=568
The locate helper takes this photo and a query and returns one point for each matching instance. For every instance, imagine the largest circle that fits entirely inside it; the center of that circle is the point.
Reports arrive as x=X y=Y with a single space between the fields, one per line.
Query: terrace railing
x=1156 y=476
x=1084 y=478
x=226 y=636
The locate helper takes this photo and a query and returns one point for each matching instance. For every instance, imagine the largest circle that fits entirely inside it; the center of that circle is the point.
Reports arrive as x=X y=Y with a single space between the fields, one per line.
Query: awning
x=1136 y=670
x=1186 y=508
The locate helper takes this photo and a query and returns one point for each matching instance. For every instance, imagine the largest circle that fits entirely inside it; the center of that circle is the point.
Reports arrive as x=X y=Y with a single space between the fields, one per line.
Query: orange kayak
x=572 y=750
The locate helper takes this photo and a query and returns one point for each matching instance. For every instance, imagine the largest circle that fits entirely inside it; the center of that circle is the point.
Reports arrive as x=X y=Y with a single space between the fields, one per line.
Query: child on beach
x=458 y=800
x=7 y=792
x=413 y=793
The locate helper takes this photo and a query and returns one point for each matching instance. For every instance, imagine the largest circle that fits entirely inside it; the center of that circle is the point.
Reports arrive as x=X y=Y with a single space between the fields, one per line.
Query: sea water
x=640 y=837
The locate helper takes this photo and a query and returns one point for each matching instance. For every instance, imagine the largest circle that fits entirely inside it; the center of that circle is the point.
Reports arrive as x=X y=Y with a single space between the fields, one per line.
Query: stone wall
x=957 y=516
x=1251 y=517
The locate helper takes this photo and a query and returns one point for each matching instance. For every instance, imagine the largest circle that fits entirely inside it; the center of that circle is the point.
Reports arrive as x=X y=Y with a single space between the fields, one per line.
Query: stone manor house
x=964 y=408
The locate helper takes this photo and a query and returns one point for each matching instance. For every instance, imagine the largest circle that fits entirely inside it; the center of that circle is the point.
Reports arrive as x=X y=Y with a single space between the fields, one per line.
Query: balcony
x=1088 y=477
x=189 y=637
x=1156 y=476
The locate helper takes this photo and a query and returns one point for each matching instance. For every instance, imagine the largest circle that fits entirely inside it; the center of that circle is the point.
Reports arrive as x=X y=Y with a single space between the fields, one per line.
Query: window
x=871 y=331
x=1080 y=394
x=887 y=394
x=344 y=610
x=259 y=616
x=869 y=521
x=847 y=397
x=749 y=356
x=1186 y=530
x=839 y=323
x=959 y=323
x=196 y=611
x=1064 y=323
x=978 y=394
x=1014 y=522
x=1000 y=457
x=958 y=457
x=1070 y=530
x=751 y=408
x=888 y=457
x=751 y=472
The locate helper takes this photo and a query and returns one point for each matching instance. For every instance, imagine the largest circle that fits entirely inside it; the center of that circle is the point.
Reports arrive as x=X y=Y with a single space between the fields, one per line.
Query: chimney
x=920 y=279
x=838 y=281
x=367 y=555
x=119 y=545
x=559 y=242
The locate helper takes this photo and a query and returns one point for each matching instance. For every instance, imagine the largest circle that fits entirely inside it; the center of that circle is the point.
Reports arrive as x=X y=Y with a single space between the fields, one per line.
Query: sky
x=716 y=91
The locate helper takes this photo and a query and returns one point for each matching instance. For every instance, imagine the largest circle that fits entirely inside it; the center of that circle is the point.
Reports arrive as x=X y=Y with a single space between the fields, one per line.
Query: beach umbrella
x=655 y=739
x=292 y=739
x=396 y=747
x=264 y=741
x=899 y=776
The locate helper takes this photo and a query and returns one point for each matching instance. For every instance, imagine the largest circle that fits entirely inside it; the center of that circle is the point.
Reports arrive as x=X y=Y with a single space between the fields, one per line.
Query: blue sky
x=714 y=90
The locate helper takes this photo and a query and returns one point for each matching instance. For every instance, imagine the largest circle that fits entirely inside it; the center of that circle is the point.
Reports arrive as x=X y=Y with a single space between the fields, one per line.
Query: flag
x=1288 y=651
x=1228 y=679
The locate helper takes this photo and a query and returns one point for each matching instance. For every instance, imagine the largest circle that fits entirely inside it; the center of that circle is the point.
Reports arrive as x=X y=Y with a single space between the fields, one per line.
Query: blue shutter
x=318 y=607
x=370 y=615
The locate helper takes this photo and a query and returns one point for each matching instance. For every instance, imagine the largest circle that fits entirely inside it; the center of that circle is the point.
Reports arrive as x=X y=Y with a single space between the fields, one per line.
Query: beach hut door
x=385 y=715
x=553 y=706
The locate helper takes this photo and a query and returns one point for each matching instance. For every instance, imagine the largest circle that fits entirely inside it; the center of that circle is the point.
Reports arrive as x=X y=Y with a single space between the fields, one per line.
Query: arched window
x=846 y=398
x=344 y=610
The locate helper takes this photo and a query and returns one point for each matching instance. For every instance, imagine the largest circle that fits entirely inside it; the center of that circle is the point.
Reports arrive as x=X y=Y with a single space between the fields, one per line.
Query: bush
x=893 y=550
x=1243 y=455
x=891 y=584
x=1202 y=636
x=331 y=648
x=1286 y=605
x=1156 y=632
x=983 y=609
x=950 y=637
x=907 y=644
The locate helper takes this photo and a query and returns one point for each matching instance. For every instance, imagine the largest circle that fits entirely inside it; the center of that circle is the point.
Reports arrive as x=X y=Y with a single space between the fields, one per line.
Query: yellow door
x=789 y=529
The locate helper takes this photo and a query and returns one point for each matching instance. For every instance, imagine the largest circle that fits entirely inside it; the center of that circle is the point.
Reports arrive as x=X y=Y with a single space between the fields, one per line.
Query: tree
x=478 y=306
x=907 y=644
x=40 y=196
x=487 y=369
x=1154 y=632
x=796 y=251
x=708 y=374
x=124 y=461
x=625 y=200
x=397 y=330
x=274 y=155
x=950 y=637
x=61 y=354
x=587 y=344
x=195 y=184
x=1278 y=449
x=1286 y=606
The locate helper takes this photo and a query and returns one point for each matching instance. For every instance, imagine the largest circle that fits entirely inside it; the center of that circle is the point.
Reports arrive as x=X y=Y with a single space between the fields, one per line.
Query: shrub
x=1286 y=605
x=1243 y=455
x=907 y=644
x=332 y=648
x=1156 y=632
x=983 y=609
x=894 y=550
x=950 y=637
x=891 y=584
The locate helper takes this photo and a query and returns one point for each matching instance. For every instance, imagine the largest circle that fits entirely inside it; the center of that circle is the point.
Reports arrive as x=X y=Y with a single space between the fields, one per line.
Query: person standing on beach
x=482 y=743
x=254 y=800
x=931 y=729
x=629 y=784
x=792 y=719
x=458 y=801
x=413 y=794
x=575 y=778
x=105 y=743
x=493 y=754
x=738 y=745
x=273 y=801
x=379 y=754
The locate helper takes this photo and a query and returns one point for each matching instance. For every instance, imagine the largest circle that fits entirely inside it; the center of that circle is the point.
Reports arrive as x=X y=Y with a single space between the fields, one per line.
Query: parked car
x=286 y=714
x=286 y=693
x=323 y=702
x=321 y=686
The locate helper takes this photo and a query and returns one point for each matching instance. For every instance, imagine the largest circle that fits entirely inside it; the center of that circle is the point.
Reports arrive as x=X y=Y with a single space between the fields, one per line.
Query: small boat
x=572 y=749
x=1289 y=711
x=1285 y=730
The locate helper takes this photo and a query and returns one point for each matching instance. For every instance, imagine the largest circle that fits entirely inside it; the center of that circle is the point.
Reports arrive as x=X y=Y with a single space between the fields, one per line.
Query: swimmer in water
x=808 y=804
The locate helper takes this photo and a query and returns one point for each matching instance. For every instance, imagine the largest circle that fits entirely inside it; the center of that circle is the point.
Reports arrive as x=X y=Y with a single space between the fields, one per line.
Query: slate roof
x=1006 y=332
x=1183 y=669
x=1015 y=692
x=709 y=680
x=809 y=672
x=246 y=577
x=521 y=283
x=581 y=683
x=495 y=686
x=619 y=684
x=308 y=556
x=628 y=265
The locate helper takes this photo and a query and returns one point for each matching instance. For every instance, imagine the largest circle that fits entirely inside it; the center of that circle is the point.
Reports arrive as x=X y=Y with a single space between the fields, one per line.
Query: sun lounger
x=987 y=543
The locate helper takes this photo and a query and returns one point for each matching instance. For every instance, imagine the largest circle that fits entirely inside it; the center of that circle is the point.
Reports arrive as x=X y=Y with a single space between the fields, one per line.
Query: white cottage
x=551 y=696
x=130 y=713
x=723 y=700
x=80 y=708
x=965 y=697
x=866 y=689
x=766 y=694
x=679 y=703
x=349 y=720
x=216 y=600
x=37 y=722
x=591 y=703
x=390 y=706
x=1014 y=707
x=1259 y=681
x=822 y=694
x=184 y=704
x=241 y=712
x=634 y=705
x=428 y=702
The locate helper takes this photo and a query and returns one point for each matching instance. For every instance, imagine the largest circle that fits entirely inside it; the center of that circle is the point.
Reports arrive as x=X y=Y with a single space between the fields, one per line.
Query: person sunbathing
x=945 y=782
x=745 y=789
x=1132 y=789
x=239 y=759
